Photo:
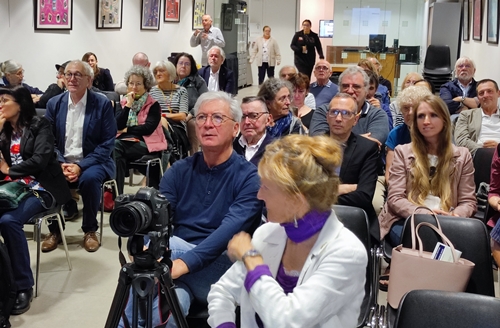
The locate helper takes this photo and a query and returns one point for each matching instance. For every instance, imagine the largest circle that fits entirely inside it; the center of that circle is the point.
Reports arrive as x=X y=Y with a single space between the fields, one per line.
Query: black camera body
x=146 y=211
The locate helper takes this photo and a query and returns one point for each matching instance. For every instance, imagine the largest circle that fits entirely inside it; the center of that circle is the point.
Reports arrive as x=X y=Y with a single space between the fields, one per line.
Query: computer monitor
x=326 y=28
x=409 y=55
x=377 y=42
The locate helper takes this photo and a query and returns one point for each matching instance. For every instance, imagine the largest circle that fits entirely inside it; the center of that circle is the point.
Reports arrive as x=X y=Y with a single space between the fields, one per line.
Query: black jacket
x=260 y=152
x=226 y=78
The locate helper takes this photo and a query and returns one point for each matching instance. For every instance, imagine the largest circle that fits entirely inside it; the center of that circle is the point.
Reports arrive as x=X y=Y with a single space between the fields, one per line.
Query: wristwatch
x=250 y=253
x=462 y=102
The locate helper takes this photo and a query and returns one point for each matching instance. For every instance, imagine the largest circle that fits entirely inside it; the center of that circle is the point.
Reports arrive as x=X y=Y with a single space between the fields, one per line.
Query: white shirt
x=265 y=51
x=490 y=127
x=250 y=150
x=74 y=130
x=213 y=81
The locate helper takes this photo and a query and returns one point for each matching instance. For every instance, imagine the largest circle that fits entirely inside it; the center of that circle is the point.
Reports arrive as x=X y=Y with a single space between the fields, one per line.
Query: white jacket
x=272 y=47
x=328 y=294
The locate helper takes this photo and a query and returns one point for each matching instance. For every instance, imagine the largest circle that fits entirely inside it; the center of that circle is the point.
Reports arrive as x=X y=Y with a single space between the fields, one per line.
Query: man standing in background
x=208 y=37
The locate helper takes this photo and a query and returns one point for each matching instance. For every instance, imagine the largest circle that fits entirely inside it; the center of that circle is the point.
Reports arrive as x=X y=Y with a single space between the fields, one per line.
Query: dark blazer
x=103 y=81
x=359 y=166
x=260 y=152
x=226 y=78
x=99 y=130
x=39 y=159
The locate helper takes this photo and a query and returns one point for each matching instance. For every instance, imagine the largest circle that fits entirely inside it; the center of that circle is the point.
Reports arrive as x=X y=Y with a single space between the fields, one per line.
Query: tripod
x=142 y=280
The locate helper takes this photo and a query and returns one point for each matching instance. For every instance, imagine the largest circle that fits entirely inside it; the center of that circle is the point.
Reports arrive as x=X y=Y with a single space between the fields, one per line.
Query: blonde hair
x=439 y=184
x=368 y=65
x=412 y=95
x=419 y=77
x=304 y=165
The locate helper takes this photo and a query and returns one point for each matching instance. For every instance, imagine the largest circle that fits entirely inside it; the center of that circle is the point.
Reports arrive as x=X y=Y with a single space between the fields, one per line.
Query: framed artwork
x=492 y=22
x=477 y=24
x=199 y=7
x=53 y=14
x=109 y=14
x=172 y=11
x=150 y=15
x=466 y=6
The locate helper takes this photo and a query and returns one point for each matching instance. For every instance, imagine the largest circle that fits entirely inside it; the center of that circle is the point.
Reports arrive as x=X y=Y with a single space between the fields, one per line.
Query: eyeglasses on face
x=20 y=72
x=135 y=84
x=252 y=117
x=76 y=75
x=185 y=64
x=355 y=87
x=346 y=114
x=217 y=119
x=287 y=75
x=321 y=68
x=4 y=100
x=464 y=66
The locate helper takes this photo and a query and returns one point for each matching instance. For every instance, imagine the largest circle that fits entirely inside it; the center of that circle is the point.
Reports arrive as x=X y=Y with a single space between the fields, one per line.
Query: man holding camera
x=213 y=195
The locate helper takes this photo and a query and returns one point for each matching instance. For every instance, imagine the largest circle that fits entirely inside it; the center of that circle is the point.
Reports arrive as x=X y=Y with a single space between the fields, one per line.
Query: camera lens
x=130 y=219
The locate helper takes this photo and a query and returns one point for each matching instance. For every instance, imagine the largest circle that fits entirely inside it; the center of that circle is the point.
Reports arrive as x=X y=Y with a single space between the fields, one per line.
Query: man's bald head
x=141 y=59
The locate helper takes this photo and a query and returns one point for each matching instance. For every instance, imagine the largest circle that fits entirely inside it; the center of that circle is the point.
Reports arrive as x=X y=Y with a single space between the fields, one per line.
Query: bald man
x=140 y=59
x=208 y=37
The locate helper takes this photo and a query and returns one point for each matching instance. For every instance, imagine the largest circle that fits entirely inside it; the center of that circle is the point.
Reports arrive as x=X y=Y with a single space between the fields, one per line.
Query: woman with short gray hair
x=12 y=74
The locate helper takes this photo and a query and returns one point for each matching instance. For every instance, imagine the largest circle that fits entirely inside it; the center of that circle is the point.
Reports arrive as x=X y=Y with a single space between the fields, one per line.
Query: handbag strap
x=413 y=244
x=440 y=233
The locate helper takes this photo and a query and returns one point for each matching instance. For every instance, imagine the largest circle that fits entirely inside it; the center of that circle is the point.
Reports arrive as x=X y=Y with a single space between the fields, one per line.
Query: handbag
x=416 y=269
x=12 y=193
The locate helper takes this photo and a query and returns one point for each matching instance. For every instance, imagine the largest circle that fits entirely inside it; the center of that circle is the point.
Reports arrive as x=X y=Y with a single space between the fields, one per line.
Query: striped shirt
x=171 y=101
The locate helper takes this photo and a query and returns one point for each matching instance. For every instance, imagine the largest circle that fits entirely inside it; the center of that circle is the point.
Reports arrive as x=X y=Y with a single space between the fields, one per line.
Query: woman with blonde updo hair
x=303 y=267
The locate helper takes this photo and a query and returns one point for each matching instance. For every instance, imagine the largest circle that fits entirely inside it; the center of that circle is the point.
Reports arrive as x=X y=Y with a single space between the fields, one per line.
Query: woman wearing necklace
x=303 y=268
x=303 y=44
x=266 y=53
x=429 y=171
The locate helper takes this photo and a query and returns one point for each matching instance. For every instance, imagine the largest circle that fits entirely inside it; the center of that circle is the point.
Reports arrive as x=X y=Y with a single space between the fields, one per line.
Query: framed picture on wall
x=53 y=15
x=199 y=7
x=172 y=11
x=477 y=23
x=109 y=14
x=466 y=6
x=492 y=22
x=150 y=14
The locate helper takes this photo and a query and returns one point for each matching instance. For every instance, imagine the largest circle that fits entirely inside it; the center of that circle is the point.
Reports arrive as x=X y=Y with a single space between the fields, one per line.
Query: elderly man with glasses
x=253 y=138
x=358 y=171
x=461 y=93
x=323 y=89
x=213 y=195
x=84 y=126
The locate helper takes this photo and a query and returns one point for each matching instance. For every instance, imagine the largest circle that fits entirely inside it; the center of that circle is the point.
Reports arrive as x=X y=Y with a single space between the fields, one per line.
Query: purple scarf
x=306 y=227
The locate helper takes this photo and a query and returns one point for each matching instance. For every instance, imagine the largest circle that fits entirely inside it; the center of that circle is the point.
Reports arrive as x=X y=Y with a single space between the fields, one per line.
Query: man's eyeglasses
x=252 y=117
x=464 y=66
x=76 y=75
x=217 y=119
x=322 y=68
x=346 y=114
x=287 y=75
x=355 y=87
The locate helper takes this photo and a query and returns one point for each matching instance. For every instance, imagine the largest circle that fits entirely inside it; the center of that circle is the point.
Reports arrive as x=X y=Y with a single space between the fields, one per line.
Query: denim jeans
x=191 y=286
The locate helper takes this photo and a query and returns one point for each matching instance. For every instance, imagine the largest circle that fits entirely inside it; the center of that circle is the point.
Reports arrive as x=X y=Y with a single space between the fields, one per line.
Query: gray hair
x=411 y=95
x=288 y=66
x=343 y=95
x=222 y=96
x=271 y=87
x=221 y=51
x=353 y=70
x=86 y=67
x=251 y=99
x=172 y=72
x=143 y=72
x=463 y=60
x=9 y=67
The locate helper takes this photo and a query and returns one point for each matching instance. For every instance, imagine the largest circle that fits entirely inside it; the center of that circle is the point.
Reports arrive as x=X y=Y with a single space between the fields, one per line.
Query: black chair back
x=438 y=60
x=482 y=165
x=356 y=220
x=432 y=308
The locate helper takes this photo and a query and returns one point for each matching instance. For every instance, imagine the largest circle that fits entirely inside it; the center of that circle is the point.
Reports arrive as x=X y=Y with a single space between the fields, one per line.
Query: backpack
x=8 y=292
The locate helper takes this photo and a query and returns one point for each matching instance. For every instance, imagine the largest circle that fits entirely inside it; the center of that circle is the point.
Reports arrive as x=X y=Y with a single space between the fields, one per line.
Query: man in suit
x=253 y=138
x=358 y=172
x=480 y=127
x=217 y=77
x=84 y=128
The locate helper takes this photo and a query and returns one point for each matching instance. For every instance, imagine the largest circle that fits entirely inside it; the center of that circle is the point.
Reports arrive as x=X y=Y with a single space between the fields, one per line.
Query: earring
x=295 y=224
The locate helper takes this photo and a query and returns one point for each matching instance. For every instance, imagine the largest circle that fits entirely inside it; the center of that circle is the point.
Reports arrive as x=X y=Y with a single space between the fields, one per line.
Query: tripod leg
x=119 y=300
x=167 y=287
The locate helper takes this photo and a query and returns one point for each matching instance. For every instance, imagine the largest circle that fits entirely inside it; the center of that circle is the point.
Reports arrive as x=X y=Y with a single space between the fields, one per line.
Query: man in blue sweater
x=213 y=195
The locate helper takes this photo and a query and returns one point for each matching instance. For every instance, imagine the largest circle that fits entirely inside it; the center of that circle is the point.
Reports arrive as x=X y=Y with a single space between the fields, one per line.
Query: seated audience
x=217 y=77
x=277 y=95
x=374 y=97
x=138 y=122
x=408 y=100
x=188 y=77
x=460 y=93
x=303 y=268
x=480 y=127
x=102 y=77
x=32 y=162
x=85 y=151
x=358 y=172
x=253 y=139
x=429 y=171
x=286 y=73
x=55 y=88
x=300 y=83
x=494 y=202
x=372 y=122
x=139 y=59
x=323 y=89
x=381 y=79
x=409 y=80
x=213 y=195
x=12 y=74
